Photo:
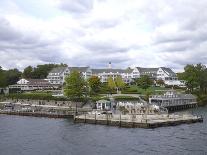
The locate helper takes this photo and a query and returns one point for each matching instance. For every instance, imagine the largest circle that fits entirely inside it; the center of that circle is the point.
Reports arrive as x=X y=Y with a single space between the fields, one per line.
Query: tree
x=119 y=83
x=27 y=73
x=75 y=87
x=41 y=71
x=2 y=78
x=160 y=82
x=196 y=77
x=111 y=84
x=94 y=84
x=144 y=82
x=9 y=77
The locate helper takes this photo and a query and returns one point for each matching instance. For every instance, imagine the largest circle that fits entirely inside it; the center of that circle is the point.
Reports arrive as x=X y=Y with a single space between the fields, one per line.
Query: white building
x=104 y=74
x=32 y=84
x=166 y=74
x=58 y=74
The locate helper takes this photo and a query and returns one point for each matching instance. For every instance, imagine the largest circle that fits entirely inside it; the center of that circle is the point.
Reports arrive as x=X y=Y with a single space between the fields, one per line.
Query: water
x=43 y=136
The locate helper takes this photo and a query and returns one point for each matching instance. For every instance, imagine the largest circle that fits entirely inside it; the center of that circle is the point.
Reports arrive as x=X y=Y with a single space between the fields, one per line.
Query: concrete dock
x=138 y=121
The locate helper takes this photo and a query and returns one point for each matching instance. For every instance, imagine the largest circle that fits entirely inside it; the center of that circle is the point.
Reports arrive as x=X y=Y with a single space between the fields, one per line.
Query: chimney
x=109 y=65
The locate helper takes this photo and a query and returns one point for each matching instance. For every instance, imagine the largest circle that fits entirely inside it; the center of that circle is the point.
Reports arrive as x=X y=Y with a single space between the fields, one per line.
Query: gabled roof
x=80 y=69
x=168 y=71
x=58 y=70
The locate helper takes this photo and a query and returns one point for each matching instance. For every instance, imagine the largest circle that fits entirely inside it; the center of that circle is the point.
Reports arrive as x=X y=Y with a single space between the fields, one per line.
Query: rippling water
x=43 y=136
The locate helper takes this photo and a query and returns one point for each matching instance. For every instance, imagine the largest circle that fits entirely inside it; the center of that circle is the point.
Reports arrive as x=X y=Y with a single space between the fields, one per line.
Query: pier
x=137 y=121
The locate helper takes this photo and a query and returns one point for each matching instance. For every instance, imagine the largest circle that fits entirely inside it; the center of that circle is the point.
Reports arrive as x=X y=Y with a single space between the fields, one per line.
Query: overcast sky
x=144 y=33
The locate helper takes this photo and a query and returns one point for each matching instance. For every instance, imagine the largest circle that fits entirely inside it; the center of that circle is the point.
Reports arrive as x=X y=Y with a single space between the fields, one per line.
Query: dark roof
x=108 y=70
x=80 y=69
x=169 y=71
x=58 y=70
x=144 y=70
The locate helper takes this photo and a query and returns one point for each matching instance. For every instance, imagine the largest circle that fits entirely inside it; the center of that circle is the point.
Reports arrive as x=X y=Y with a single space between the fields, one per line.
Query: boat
x=174 y=101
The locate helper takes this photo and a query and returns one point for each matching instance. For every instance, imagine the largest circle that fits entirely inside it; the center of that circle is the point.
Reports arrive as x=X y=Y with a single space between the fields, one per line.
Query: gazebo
x=103 y=105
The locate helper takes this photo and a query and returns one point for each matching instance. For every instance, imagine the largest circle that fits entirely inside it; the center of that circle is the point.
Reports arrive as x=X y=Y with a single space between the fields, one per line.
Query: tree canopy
x=195 y=77
x=75 y=86
x=144 y=82
x=94 y=84
x=39 y=72
x=111 y=83
x=119 y=82
x=9 y=77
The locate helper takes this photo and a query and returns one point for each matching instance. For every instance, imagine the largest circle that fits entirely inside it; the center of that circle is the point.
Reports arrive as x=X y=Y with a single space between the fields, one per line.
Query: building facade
x=57 y=75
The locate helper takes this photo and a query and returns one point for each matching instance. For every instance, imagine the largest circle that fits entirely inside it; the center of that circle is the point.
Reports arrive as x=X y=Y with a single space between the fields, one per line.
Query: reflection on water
x=29 y=135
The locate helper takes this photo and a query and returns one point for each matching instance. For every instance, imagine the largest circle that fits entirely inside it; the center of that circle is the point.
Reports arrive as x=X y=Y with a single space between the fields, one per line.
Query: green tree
x=28 y=72
x=9 y=77
x=111 y=84
x=119 y=83
x=196 y=77
x=94 y=84
x=40 y=71
x=12 y=76
x=190 y=77
x=160 y=82
x=75 y=87
x=144 y=82
x=2 y=78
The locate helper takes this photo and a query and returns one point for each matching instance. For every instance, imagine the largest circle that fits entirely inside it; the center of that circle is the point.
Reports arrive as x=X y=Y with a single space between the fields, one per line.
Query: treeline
x=11 y=76
x=39 y=72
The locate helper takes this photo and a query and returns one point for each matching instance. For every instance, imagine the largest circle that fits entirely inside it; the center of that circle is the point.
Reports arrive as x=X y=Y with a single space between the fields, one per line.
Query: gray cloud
x=176 y=33
x=76 y=6
x=7 y=32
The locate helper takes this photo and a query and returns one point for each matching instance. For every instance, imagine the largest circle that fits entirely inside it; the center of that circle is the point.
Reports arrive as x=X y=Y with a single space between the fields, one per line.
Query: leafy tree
x=12 y=76
x=119 y=82
x=9 y=77
x=75 y=87
x=160 y=82
x=196 y=77
x=27 y=73
x=94 y=84
x=2 y=78
x=41 y=71
x=111 y=83
x=144 y=82
x=190 y=77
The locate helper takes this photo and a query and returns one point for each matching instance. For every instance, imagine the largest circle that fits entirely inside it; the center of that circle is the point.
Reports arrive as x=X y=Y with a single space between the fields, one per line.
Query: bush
x=96 y=98
x=126 y=98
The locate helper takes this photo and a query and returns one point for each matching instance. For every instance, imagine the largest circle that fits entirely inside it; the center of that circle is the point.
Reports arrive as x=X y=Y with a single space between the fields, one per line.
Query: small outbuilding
x=103 y=105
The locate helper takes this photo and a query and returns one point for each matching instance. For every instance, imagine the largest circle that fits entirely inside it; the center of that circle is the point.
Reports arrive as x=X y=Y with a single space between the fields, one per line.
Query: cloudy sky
x=144 y=33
